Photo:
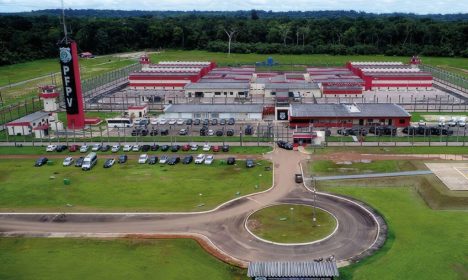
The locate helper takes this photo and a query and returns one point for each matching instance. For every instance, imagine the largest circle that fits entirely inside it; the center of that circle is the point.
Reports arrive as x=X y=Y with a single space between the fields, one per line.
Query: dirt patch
x=253 y=224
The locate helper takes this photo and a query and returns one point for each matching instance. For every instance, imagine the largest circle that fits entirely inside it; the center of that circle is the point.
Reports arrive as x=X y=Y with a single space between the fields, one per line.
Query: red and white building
x=336 y=81
x=391 y=75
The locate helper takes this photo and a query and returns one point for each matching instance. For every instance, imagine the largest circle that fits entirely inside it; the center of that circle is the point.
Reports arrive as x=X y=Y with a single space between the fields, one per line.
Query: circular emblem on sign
x=65 y=55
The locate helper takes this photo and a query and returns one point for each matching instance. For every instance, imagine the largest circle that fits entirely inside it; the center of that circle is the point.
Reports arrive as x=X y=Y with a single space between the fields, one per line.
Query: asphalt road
x=357 y=231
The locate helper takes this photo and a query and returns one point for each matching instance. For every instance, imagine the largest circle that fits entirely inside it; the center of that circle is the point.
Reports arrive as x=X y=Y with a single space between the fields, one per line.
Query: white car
x=206 y=147
x=143 y=159
x=462 y=122
x=115 y=148
x=194 y=147
x=422 y=123
x=162 y=121
x=127 y=148
x=180 y=121
x=209 y=159
x=163 y=159
x=51 y=148
x=67 y=161
x=96 y=147
x=154 y=121
x=136 y=148
x=171 y=122
x=441 y=121
x=200 y=159
x=210 y=132
x=84 y=148
x=452 y=122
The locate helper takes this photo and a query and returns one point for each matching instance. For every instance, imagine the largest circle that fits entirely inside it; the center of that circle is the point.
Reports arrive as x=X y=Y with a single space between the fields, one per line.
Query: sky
x=375 y=6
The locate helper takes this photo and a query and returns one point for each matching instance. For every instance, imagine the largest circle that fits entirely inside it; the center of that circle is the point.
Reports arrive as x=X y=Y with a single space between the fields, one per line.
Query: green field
x=422 y=243
x=418 y=116
x=140 y=187
x=328 y=167
x=291 y=223
x=394 y=150
x=36 y=258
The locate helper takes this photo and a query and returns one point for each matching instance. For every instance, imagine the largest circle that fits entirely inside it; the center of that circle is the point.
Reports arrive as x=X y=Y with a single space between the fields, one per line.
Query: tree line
x=24 y=38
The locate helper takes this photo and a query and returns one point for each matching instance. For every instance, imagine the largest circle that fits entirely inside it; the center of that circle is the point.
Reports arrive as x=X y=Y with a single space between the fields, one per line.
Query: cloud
x=380 y=6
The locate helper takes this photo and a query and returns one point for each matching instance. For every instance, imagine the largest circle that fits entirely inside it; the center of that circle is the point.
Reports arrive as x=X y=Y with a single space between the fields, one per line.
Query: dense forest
x=28 y=37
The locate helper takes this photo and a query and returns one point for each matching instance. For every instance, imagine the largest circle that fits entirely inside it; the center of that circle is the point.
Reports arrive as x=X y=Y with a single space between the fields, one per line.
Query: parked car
x=105 y=148
x=452 y=122
x=203 y=132
x=461 y=122
x=61 y=148
x=67 y=161
x=163 y=159
x=222 y=122
x=180 y=122
x=173 y=160
x=143 y=159
x=196 y=122
x=183 y=131
x=115 y=148
x=200 y=159
x=210 y=132
x=136 y=148
x=145 y=148
x=219 y=132
x=186 y=147
x=209 y=159
x=441 y=121
x=96 y=147
x=73 y=148
x=154 y=132
x=206 y=122
x=162 y=121
x=172 y=122
x=51 y=148
x=214 y=121
x=230 y=132
x=154 y=147
x=109 y=163
x=231 y=161
x=206 y=147
x=248 y=130
x=153 y=160
x=225 y=148
x=79 y=162
x=164 y=131
x=231 y=121
x=41 y=161
x=298 y=178
x=175 y=148
x=154 y=121
x=188 y=121
x=84 y=148
x=194 y=147
x=187 y=159
x=422 y=123
x=123 y=158
x=216 y=149
x=165 y=148
x=249 y=163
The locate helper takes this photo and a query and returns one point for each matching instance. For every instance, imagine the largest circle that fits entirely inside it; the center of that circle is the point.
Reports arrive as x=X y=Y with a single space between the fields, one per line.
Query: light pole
x=292 y=214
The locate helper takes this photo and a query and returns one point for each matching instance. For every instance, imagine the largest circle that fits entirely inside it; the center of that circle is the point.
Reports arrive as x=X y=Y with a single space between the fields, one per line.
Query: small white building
x=246 y=112
x=138 y=111
x=218 y=89
x=37 y=123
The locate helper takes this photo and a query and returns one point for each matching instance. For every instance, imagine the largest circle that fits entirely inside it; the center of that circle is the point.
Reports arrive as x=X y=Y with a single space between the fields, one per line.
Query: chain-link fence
x=447 y=78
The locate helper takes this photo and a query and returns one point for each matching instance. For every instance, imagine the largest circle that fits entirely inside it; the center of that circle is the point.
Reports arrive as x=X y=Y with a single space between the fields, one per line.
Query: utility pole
x=230 y=34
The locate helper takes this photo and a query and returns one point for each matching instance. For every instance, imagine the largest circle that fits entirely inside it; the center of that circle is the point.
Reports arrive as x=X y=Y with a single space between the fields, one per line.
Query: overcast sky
x=376 y=6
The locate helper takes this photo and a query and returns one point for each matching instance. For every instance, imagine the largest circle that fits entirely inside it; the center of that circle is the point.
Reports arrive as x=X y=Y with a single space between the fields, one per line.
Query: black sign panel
x=67 y=61
x=282 y=115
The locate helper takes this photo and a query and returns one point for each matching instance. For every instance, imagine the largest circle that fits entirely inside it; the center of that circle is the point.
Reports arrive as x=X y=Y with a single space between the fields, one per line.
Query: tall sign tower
x=71 y=80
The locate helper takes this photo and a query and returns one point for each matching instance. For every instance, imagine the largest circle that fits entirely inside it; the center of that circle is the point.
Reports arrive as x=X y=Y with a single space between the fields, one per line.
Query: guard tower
x=145 y=62
x=49 y=95
x=415 y=61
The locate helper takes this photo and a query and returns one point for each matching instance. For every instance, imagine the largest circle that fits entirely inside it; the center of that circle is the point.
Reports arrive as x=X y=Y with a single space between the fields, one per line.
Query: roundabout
x=291 y=224
x=358 y=232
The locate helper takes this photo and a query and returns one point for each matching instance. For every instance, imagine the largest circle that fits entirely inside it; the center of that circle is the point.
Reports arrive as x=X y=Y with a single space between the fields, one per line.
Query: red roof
x=41 y=127
x=92 y=120
x=49 y=95
x=137 y=107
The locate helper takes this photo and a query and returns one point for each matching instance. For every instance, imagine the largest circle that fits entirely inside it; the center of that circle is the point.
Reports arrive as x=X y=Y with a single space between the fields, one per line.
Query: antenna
x=64 y=25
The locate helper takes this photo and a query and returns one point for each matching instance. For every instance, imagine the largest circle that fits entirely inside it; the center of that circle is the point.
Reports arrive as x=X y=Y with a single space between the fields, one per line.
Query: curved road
x=224 y=227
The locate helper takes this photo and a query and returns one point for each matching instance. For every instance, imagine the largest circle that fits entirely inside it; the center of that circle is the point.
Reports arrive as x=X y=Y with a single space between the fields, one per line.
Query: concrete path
x=223 y=229
x=374 y=175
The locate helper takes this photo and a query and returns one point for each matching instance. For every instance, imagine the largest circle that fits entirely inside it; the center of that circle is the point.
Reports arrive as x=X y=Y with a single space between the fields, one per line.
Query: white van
x=89 y=161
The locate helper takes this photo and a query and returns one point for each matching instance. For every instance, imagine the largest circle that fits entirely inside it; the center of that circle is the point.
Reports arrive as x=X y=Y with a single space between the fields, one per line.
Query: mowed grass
x=450 y=64
x=396 y=150
x=418 y=116
x=328 y=167
x=126 y=187
x=291 y=223
x=36 y=258
x=422 y=243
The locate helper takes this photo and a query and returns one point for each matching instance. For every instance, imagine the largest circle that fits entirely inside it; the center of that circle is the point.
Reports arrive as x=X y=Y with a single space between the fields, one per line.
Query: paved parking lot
x=453 y=175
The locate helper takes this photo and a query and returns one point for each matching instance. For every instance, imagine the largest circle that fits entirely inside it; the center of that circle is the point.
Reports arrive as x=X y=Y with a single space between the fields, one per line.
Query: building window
x=214 y=115
x=240 y=93
x=217 y=93
x=273 y=93
x=402 y=121
x=370 y=120
x=197 y=115
x=231 y=93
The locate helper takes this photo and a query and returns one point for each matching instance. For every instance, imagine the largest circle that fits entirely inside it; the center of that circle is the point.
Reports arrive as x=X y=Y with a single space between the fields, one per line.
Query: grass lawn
x=422 y=243
x=281 y=224
x=395 y=150
x=62 y=116
x=138 y=188
x=328 y=167
x=418 y=116
x=35 y=258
